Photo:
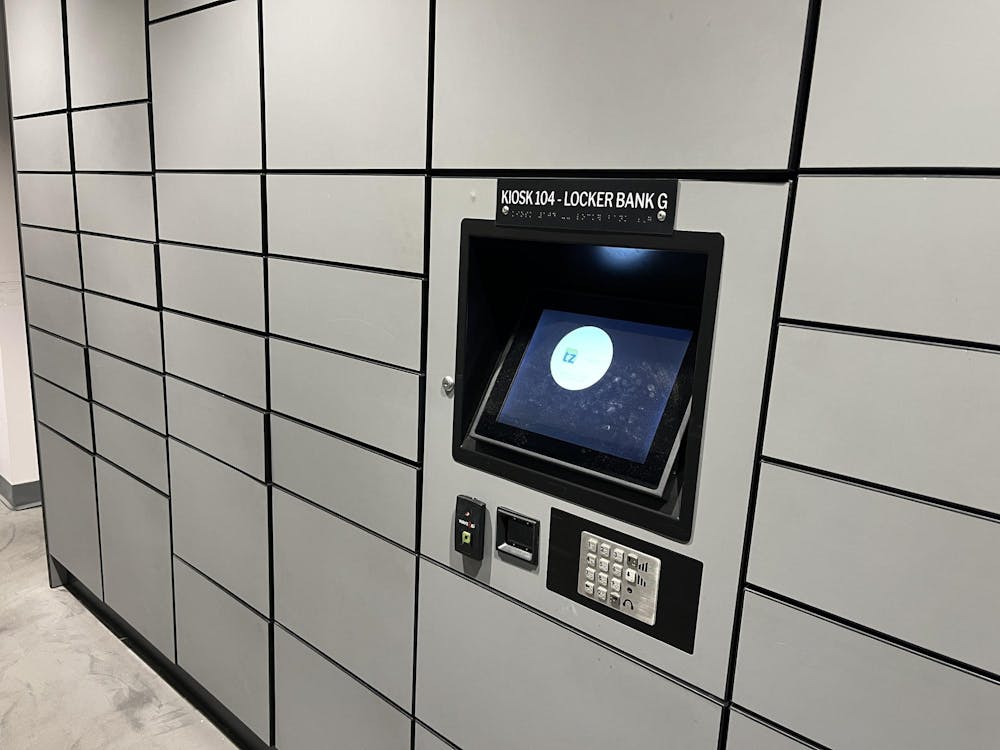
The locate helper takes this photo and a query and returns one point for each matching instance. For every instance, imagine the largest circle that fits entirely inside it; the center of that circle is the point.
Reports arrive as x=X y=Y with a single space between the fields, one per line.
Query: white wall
x=18 y=458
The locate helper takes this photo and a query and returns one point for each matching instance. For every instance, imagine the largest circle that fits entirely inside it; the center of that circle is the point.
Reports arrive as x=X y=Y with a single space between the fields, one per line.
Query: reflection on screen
x=595 y=382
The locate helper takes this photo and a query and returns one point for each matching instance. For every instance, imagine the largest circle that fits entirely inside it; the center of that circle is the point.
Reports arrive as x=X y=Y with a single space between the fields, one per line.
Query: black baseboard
x=227 y=722
x=20 y=496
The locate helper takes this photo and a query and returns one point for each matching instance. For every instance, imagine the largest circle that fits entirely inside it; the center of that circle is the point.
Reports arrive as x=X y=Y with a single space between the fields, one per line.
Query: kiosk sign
x=639 y=206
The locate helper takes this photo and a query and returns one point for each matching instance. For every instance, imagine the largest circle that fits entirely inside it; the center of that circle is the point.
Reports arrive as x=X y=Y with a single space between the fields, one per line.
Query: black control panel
x=645 y=587
x=470 y=526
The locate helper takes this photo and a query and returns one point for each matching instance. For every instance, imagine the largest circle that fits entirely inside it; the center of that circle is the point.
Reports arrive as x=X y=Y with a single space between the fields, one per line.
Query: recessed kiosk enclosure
x=582 y=365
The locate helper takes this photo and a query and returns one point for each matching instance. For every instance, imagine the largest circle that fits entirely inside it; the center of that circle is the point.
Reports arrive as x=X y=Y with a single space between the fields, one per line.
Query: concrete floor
x=66 y=682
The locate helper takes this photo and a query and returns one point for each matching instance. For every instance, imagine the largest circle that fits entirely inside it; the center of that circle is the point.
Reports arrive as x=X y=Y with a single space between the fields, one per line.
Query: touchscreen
x=595 y=382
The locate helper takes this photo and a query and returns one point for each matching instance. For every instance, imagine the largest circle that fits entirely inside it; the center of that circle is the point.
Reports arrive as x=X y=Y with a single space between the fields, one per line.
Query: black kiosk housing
x=513 y=281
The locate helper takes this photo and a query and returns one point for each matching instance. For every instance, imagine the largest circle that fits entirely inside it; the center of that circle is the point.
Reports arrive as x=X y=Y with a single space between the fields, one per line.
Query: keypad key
x=616 y=584
x=605 y=549
x=614 y=599
x=618 y=555
x=602 y=593
x=589 y=574
x=616 y=570
x=591 y=559
x=591 y=544
x=633 y=560
x=630 y=575
x=589 y=588
x=602 y=579
x=603 y=564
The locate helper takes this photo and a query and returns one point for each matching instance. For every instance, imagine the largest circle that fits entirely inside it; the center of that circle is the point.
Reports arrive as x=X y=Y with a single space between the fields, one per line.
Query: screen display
x=595 y=382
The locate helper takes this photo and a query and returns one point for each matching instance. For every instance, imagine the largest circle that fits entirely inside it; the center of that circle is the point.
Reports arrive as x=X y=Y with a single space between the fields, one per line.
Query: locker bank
x=434 y=374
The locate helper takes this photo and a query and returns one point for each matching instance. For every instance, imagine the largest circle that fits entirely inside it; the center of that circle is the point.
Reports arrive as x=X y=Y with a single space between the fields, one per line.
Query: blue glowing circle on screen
x=581 y=358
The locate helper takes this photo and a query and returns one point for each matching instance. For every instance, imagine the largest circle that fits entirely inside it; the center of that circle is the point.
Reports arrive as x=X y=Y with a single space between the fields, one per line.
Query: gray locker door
x=46 y=200
x=847 y=403
x=41 y=144
x=55 y=309
x=206 y=83
x=221 y=427
x=135 y=548
x=315 y=700
x=70 y=504
x=112 y=138
x=373 y=490
x=847 y=690
x=124 y=329
x=595 y=84
x=219 y=210
x=372 y=403
x=747 y=734
x=377 y=220
x=51 y=255
x=116 y=204
x=347 y=592
x=120 y=268
x=425 y=740
x=131 y=390
x=65 y=413
x=909 y=569
x=37 y=69
x=60 y=361
x=131 y=446
x=224 y=646
x=220 y=523
x=562 y=688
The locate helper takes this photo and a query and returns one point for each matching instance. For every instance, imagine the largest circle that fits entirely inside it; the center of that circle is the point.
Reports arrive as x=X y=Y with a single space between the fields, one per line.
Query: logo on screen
x=581 y=358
